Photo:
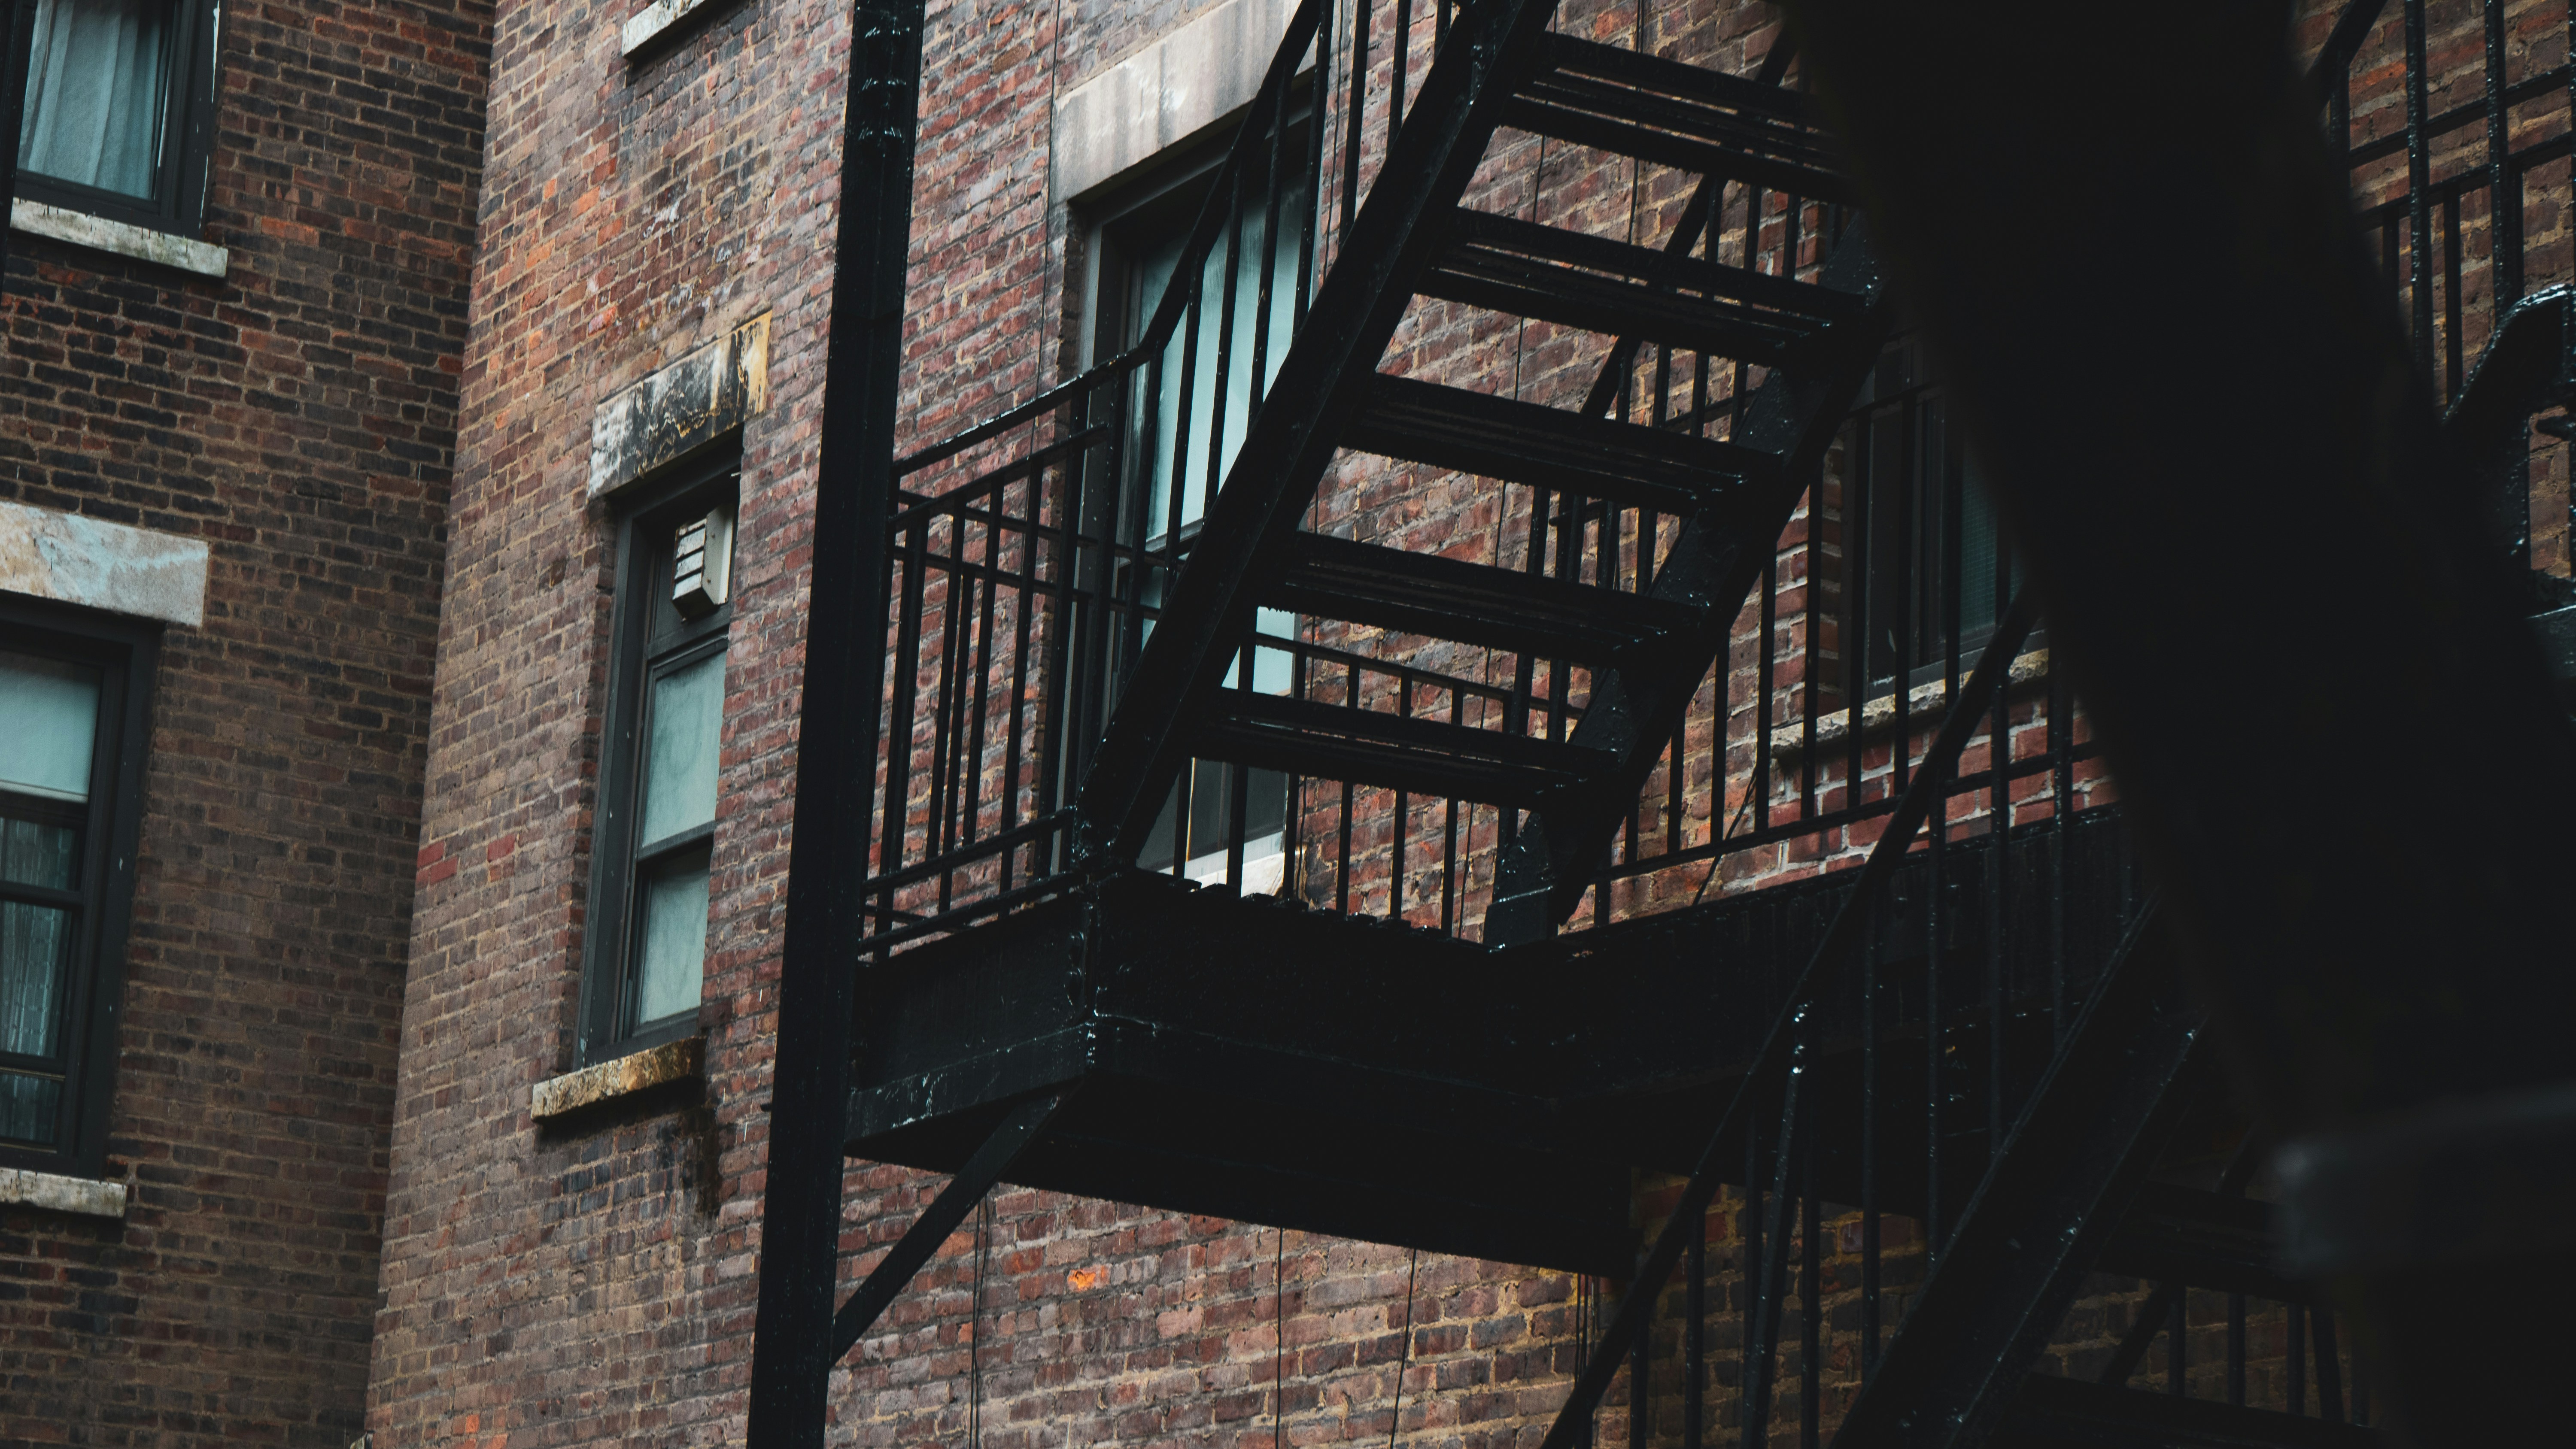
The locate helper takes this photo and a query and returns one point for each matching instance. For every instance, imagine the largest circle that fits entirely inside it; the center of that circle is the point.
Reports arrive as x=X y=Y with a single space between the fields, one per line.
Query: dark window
x=1925 y=571
x=72 y=700
x=655 y=828
x=119 y=109
x=1137 y=240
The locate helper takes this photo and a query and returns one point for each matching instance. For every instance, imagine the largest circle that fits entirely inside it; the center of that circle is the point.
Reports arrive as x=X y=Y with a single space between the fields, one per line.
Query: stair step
x=2204 y=1240
x=1639 y=105
x=1378 y=747
x=1522 y=269
x=2055 y=1413
x=1446 y=598
x=1497 y=437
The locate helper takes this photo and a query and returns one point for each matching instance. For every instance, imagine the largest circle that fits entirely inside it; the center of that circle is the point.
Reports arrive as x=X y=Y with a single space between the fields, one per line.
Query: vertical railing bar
x=2294 y=1367
x=1811 y=1317
x=2330 y=1404
x=1694 y=1336
x=1355 y=120
x=1870 y=1227
x=2454 y=373
x=983 y=668
x=1395 y=873
x=1403 y=64
x=2175 y=1332
x=2504 y=186
x=2236 y=1349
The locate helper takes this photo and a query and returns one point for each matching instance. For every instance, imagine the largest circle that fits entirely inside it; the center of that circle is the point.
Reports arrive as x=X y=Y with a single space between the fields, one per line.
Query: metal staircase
x=1127 y=596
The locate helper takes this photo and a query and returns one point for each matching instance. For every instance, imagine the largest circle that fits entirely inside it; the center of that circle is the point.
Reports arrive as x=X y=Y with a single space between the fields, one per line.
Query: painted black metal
x=1447 y=598
x=2043 y=1213
x=2207 y=1239
x=1323 y=382
x=1019 y=1129
x=2054 y=1413
x=1782 y=1047
x=1478 y=432
x=2308 y=419
x=2529 y=366
x=1377 y=747
x=844 y=663
x=1715 y=125
x=19 y=35
x=1522 y=269
x=1722 y=551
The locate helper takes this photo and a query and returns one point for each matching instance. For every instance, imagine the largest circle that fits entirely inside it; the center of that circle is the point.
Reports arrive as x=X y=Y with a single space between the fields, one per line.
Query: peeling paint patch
x=652 y=1067
x=696 y=399
x=98 y=565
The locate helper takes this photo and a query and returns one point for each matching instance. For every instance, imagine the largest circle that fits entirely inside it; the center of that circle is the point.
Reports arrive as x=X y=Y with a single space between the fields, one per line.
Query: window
x=1137 y=241
x=72 y=696
x=119 y=108
x=1924 y=561
x=656 y=822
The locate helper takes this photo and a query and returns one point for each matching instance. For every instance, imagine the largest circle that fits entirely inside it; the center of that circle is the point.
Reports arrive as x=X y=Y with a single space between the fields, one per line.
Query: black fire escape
x=1187 y=844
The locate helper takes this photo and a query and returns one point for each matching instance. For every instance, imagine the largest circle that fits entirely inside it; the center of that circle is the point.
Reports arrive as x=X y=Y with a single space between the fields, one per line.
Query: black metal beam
x=1239 y=555
x=2227 y=479
x=1021 y=1127
x=844 y=660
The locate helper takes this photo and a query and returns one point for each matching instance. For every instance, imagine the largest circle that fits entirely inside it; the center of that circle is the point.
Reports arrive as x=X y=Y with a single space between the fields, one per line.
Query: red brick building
x=235 y=313
x=479 y=388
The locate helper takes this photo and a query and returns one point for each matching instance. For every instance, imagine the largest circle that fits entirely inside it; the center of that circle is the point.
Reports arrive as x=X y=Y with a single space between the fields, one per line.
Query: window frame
x=708 y=478
x=126 y=652
x=178 y=200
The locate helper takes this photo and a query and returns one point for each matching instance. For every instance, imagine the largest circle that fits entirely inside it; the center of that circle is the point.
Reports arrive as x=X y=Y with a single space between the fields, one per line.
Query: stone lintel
x=99 y=565
x=648 y=27
x=54 y=1192
x=693 y=401
x=675 y=1061
x=1166 y=93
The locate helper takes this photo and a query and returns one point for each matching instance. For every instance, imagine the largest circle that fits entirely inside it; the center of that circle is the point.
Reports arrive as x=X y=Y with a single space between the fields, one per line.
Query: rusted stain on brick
x=692 y=401
x=592 y=1085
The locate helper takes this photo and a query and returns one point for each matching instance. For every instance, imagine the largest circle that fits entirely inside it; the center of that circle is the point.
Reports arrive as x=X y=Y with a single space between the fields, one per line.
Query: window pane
x=673 y=961
x=28 y=1107
x=33 y=942
x=683 y=720
x=33 y=852
x=97 y=91
x=48 y=721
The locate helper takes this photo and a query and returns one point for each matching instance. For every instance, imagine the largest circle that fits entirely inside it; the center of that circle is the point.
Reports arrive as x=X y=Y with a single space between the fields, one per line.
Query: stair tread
x=1446 y=598
x=1378 y=747
x=2203 y=1239
x=1662 y=110
x=1498 y=437
x=1523 y=269
x=2067 y=1412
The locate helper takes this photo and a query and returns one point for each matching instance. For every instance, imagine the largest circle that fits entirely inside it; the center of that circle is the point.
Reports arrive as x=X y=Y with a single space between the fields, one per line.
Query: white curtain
x=97 y=91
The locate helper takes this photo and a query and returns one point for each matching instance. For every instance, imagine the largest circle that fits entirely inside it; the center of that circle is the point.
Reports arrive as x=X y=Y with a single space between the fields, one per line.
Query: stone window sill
x=678 y=1061
x=80 y=1196
x=118 y=238
x=1924 y=706
x=658 y=22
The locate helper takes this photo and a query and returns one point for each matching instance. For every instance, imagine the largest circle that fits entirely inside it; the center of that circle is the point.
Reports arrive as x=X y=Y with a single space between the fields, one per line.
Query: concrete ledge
x=691 y=402
x=118 y=238
x=652 y=24
x=56 y=1193
x=1923 y=706
x=76 y=559
x=1166 y=93
x=676 y=1061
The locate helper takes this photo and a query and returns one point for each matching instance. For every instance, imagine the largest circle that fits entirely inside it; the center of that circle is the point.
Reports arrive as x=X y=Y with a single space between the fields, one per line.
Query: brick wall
x=299 y=417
